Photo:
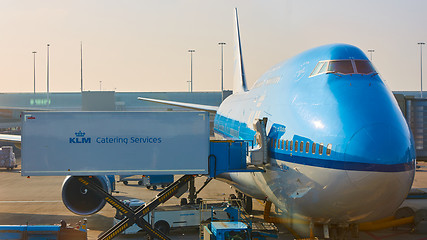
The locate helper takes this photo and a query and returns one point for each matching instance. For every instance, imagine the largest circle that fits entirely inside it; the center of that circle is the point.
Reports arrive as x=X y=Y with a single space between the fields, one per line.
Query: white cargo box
x=114 y=143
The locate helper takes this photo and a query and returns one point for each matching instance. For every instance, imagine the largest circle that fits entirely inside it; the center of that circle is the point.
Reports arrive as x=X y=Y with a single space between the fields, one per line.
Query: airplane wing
x=199 y=107
x=16 y=139
x=10 y=138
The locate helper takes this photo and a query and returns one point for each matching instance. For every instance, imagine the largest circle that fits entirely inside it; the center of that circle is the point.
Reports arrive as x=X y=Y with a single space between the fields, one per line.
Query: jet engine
x=81 y=200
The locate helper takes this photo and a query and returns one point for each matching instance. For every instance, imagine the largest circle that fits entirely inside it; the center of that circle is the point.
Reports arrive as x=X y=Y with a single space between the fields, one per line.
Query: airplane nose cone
x=380 y=147
x=381 y=169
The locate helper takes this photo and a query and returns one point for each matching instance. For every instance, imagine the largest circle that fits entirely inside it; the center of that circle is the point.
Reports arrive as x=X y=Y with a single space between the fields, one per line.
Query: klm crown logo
x=80 y=138
x=80 y=134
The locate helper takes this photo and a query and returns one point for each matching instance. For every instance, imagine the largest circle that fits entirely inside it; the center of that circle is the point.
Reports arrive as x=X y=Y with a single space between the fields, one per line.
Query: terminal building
x=12 y=104
x=413 y=107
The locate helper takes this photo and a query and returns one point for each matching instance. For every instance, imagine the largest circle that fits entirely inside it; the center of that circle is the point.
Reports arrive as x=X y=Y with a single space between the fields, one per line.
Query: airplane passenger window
x=301 y=147
x=286 y=145
x=283 y=143
x=307 y=146
x=313 y=148
x=364 y=67
x=292 y=146
x=321 y=149
x=329 y=149
x=341 y=66
x=296 y=146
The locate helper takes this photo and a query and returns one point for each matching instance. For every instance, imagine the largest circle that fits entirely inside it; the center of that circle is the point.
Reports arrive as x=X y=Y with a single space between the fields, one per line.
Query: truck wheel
x=154 y=187
x=140 y=183
x=183 y=201
x=125 y=183
x=162 y=226
x=148 y=187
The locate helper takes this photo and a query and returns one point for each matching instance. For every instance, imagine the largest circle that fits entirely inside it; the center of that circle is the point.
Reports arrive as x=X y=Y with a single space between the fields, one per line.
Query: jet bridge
x=88 y=144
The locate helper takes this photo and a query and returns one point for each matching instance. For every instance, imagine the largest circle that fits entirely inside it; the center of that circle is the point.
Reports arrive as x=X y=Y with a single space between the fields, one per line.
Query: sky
x=142 y=45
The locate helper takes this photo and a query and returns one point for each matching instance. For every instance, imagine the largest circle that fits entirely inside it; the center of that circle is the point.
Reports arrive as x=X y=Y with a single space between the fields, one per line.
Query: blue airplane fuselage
x=339 y=147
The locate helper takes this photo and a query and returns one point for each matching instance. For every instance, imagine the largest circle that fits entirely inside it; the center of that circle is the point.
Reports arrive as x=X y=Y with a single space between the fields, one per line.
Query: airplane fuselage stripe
x=342 y=165
x=334 y=164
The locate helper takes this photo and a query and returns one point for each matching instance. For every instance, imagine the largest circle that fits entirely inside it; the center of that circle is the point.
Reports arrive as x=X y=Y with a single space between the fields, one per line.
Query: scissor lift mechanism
x=137 y=215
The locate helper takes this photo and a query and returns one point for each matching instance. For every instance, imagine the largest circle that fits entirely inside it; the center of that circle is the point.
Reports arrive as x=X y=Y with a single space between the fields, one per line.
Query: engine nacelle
x=81 y=200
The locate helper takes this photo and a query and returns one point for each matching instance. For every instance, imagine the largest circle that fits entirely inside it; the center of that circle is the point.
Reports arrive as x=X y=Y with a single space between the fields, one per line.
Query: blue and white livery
x=339 y=148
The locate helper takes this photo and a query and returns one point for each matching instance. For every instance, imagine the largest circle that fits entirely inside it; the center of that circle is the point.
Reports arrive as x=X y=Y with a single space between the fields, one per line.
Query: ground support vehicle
x=240 y=227
x=146 y=146
x=149 y=181
x=165 y=218
x=7 y=158
x=233 y=231
x=51 y=232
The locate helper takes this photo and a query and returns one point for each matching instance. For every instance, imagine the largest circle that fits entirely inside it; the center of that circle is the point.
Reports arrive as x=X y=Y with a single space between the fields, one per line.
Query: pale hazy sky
x=141 y=45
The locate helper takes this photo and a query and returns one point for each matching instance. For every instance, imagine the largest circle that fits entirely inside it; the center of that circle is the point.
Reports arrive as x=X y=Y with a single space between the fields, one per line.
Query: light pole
x=222 y=69
x=47 y=74
x=81 y=66
x=421 y=63
x=191 y=51
x=371 y=51
x=34 y=54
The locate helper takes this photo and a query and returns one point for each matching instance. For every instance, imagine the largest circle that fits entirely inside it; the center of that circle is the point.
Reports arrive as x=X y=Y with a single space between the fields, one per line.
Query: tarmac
x=37 y=200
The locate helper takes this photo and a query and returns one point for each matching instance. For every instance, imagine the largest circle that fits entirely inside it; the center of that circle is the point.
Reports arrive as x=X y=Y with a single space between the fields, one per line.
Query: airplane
x=339 y=150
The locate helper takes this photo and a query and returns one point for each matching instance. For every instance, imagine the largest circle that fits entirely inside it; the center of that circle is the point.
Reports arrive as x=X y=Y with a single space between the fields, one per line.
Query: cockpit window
x=324 y=67
x=364 y=67
x=342 y=66
x=317 y=68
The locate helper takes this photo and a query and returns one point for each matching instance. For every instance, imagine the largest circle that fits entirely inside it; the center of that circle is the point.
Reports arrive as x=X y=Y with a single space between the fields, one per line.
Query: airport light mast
x=34 y=53
x=81 y=66
x=47 y=74
x=421 y=63
x=191 y=51
x=222 y=69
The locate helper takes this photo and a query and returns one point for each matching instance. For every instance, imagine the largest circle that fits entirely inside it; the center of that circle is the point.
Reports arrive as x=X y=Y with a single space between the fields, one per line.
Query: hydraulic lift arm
x=136 y=216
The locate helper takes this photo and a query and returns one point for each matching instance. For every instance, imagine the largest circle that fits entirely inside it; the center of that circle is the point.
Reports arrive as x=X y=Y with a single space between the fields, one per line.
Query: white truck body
x=114 y=143
x=179 y=216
